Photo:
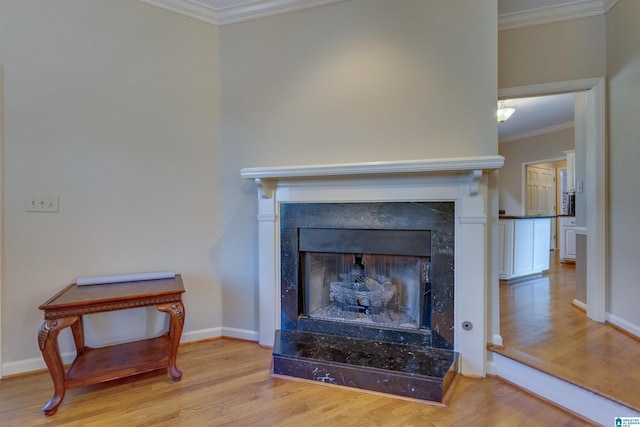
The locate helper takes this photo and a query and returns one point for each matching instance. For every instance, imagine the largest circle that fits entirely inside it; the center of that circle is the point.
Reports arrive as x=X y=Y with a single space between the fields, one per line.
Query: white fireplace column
x=461 y=180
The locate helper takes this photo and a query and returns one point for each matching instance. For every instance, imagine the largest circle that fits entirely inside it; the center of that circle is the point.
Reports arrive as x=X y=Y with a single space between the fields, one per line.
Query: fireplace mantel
x=463 y=181
x=266 y=177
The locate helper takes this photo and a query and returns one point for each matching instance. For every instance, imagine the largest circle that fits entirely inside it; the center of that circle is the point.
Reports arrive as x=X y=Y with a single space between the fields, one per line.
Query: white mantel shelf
x=457 y=164
x=266 y=177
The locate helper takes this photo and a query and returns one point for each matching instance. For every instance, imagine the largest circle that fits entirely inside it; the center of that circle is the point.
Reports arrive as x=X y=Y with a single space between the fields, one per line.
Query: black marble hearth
x=417 y=361
x=412 y=371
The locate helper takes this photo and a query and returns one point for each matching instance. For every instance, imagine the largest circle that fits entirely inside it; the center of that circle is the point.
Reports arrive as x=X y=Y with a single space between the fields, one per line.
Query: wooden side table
x=94 y=365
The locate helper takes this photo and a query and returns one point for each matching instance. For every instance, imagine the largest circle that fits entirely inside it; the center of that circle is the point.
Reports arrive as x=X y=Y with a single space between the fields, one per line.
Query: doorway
x=593 y=127
x=1 y=203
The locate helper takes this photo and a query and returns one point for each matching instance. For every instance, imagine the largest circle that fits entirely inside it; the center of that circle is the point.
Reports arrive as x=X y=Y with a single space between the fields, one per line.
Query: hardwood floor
x=228 y=383
x=542 y=328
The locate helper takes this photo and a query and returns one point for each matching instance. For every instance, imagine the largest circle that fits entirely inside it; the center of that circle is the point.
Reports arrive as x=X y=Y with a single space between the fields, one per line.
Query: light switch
x=41 y=203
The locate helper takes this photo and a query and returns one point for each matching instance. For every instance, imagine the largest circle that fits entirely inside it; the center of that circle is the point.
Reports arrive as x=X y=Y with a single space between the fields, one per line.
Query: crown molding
x=262 y=8
x=237 y=13
x=537 y=132
x=187 y=8
x=550 y=14
x=255 y=9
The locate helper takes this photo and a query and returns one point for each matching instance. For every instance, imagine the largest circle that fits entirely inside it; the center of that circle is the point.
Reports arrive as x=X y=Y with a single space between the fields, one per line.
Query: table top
x=115 y=295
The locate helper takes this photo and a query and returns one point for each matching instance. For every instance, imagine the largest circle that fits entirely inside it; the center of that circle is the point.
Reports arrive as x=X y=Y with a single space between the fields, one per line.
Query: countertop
x=526 y=216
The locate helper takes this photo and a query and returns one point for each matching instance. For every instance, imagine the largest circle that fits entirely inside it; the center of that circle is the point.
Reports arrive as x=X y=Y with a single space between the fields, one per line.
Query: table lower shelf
x=95 y=365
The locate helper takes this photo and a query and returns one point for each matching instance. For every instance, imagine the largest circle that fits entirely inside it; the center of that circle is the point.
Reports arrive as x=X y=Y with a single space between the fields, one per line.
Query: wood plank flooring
x=542 y=328
x=228 y=383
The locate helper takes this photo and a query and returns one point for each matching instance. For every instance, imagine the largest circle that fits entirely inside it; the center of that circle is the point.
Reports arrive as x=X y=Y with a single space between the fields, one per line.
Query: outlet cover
x=41 y=203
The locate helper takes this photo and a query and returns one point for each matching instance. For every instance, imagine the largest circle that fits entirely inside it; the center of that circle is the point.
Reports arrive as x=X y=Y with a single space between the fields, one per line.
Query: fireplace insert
x=375 y=277
x=369 y=270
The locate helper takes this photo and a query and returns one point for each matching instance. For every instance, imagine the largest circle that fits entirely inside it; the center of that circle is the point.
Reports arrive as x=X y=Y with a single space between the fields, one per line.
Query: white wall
x=568 y=50
x=623 y=66
x=362 y=80
x=114 y=106
x=526 y=150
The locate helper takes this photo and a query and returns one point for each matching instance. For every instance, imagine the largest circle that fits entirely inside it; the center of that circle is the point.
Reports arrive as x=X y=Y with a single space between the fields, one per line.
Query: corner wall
x=623 y=65
x=356 y=81
x=114 y=106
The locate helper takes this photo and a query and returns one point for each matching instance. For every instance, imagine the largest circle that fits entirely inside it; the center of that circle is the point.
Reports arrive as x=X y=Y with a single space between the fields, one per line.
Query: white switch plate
x=40 y=203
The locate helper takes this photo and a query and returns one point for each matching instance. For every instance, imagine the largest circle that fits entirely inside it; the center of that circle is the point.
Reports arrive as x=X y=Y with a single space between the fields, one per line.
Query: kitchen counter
x=524 y=245
x=526 y=216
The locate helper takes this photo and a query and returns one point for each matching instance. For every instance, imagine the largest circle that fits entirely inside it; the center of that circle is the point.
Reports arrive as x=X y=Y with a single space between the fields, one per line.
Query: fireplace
x=370 y=279
x=366 y=285
x=352 y=266
x=360 y=314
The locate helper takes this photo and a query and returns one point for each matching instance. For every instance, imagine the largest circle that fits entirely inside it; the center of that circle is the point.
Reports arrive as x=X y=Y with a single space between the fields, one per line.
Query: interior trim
x=262 y=8
x=550 y=14
x=236 y=13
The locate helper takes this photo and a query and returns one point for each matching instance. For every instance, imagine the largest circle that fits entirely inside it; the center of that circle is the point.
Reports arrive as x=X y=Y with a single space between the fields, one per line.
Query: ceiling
x=536 y=116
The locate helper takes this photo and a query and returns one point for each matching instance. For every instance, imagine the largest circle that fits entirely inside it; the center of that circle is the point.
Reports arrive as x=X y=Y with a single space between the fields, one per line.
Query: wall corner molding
x=236 y=13
x=187 y=8
x=551 y=14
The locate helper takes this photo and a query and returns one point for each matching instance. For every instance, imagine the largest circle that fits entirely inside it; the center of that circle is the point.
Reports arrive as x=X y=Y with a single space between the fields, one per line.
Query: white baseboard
x=33 y=364
x=241 y=334
x=574 y=399
x=497 y=340
x=37 y=363
x=614 y=320
x=201 y=334
x=623 y=324
x=580 y=305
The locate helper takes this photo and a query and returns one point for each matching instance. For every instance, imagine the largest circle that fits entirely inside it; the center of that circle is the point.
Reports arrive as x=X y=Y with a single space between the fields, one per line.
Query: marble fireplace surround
x=458 y=180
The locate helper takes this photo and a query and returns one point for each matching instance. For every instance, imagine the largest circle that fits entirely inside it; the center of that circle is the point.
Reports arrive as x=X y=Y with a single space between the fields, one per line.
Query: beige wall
x=623 y=66
x=355 y=81
x=534 y=149
x=569 y=50
x=113 y=105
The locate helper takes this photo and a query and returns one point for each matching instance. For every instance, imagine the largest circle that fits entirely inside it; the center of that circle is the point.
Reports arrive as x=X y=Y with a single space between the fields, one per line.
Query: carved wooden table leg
x=176 y=311
x=77 y=329
x=48 y=343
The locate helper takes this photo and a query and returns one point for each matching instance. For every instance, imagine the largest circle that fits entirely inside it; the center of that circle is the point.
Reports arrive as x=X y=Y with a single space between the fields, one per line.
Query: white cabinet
x=571 y=171
x=567 y=238
x=541 y=244
x=505 y=259
x=524 y=247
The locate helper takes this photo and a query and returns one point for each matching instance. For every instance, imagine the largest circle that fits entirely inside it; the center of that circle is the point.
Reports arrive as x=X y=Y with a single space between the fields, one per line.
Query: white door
x=541 y=190
x=541 y=195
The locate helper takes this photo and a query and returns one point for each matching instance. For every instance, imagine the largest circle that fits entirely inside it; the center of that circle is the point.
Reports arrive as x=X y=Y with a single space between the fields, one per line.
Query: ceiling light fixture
x=504 y=112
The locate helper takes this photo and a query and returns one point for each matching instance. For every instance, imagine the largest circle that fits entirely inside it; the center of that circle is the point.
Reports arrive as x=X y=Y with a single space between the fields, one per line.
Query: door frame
x=1 y=204
x=595 y=181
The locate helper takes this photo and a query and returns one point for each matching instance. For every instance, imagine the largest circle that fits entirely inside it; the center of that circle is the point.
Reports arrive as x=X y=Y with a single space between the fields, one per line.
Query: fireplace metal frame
x=410 y=220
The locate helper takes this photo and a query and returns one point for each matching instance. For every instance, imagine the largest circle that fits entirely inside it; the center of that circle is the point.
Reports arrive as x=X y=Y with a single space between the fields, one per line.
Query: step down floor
x=409 y=371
